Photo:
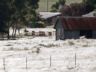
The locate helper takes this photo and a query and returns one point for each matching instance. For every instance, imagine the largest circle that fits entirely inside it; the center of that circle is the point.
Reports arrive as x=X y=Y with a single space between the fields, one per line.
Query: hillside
x=43 y=4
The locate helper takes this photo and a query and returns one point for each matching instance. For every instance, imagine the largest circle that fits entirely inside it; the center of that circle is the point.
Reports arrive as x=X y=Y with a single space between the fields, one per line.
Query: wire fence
x=30 y=64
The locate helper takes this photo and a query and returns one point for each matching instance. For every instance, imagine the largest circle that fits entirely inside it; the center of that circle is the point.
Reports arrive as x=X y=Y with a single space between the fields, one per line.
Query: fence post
x=4 y=64
x=26 y=64
x=50 y=61
x=75 y=60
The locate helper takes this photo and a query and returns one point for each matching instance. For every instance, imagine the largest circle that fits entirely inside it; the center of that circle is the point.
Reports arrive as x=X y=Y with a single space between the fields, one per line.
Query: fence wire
x=27 y=64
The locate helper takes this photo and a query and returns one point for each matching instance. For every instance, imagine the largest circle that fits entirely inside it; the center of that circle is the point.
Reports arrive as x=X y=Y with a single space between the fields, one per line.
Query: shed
x=74 y=27
x=49 y=17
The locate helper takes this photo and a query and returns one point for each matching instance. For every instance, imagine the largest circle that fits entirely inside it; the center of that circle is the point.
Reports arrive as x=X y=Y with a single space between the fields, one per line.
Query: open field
x=44 y=54
x=43 y=4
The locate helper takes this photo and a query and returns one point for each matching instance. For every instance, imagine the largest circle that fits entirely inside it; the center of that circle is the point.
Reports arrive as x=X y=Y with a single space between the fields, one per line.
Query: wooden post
x=26 y=64
x=4 y=64
x=75 y=60
x=50 y=61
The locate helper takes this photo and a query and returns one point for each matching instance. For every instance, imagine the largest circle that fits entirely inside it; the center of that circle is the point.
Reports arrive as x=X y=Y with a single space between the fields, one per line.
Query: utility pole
x=47 y=5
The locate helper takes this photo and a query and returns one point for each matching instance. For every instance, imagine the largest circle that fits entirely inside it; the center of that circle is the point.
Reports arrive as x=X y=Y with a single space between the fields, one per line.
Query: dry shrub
x=33 y=33
x=49 y=33
x=85 y=45
x=8 y=45
x=17 y=49
x=71 y=43
x=36 y=50
x=49 y=45
x=41 y=33
x=26 y=48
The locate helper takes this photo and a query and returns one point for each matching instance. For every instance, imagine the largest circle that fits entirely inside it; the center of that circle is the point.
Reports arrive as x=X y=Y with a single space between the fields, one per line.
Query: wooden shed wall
x=68 y=34
x=59 y=30
x=94 y=34
x=73 y=34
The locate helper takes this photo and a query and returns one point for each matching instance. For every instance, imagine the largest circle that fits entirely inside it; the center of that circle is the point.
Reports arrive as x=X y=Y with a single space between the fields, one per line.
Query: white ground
x=54 y=56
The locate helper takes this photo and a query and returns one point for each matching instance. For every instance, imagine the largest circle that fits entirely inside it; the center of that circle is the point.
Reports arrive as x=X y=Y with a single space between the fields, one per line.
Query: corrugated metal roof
x=46 y=15
x=79 y=23
x=91 y=14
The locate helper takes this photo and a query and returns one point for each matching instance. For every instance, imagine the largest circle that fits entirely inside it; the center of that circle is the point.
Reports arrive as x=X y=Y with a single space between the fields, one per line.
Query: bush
x=40 y=24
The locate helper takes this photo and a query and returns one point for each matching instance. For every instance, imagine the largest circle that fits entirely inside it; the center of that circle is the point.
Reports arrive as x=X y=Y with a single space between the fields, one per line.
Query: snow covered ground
x=44 y=54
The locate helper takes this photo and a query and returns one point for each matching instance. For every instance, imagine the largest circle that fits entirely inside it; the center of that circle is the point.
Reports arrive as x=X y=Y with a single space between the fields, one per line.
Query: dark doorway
x=86 y=33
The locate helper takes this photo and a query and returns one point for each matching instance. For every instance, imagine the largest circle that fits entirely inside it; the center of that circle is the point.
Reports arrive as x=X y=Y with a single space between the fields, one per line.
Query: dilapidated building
x=74 y=27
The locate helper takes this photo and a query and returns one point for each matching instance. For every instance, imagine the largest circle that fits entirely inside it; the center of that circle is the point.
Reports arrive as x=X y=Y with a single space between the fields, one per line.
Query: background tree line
x=14 y=11
x=74 y=9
